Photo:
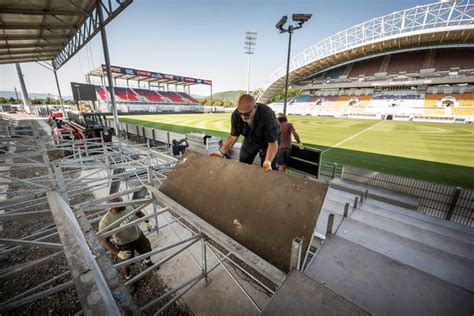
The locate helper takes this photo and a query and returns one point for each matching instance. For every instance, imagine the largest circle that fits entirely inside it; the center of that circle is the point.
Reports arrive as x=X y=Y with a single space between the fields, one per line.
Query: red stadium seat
x=173 y=97
x=101 y=92
x=149 y=95
x=125 y=94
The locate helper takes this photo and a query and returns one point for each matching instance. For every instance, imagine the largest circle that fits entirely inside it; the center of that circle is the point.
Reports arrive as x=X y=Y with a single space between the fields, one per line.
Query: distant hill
x=32 y=95
x=231 y=96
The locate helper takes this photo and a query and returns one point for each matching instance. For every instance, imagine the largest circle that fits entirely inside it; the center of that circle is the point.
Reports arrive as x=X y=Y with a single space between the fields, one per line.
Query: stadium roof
x=442 y=23
x=36 y=30
x=147 y=76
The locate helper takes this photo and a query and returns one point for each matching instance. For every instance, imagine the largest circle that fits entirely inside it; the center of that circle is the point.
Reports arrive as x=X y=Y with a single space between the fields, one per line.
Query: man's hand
x=267 y=165
x=149 y=226
x=217 y=154
x=300 y=146
x=124 y=254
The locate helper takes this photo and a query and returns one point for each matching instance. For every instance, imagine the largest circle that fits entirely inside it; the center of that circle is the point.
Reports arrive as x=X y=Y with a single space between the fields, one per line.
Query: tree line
x=45 y=101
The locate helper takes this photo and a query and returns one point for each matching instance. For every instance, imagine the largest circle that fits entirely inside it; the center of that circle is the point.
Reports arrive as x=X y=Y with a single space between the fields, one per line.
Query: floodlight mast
x=300 y=19
x=249 y=46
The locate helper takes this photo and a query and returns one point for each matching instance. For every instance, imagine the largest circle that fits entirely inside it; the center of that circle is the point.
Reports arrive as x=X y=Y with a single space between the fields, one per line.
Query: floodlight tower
x=299 y=19
x=249 y=46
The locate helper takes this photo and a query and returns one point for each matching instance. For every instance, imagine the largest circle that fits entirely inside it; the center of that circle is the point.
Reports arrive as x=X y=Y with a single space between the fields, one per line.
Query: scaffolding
x=72 y=181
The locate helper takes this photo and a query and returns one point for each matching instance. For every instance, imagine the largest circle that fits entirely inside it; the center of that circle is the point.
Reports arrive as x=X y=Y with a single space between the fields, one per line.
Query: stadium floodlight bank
x=249 y=49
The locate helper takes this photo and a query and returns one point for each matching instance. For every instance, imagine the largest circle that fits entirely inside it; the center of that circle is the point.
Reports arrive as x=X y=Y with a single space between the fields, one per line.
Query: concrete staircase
x=391 y=260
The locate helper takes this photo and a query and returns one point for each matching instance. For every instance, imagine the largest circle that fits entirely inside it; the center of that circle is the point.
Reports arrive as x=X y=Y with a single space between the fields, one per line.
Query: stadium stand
x=454 y=58
x=188 y=97
x=125 y=94
x=410 y=62
x=466 y=99
x=173 y=97
x=149 y=95
x=366 y=67
x=134 y=98
x=463 y=111
x=403 y=105
x=101 y=93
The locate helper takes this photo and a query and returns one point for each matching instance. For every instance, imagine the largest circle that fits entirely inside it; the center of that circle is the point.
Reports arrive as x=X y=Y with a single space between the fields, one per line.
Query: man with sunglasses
x=258 y=124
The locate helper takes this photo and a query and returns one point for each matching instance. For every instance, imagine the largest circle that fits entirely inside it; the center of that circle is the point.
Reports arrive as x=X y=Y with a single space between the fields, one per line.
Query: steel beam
x=29 y=243
x=30 y=11
x=15 y=37
x=24 y=26
x=32 y=45
x=91 y=26
x=91 y=286
x=24 y=93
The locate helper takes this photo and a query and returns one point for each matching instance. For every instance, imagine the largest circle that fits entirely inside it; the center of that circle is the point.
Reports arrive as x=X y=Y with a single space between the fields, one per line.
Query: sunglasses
x=247 y=114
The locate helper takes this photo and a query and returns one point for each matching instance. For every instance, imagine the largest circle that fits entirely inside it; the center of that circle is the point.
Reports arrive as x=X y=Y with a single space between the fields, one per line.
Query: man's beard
x=250 y=122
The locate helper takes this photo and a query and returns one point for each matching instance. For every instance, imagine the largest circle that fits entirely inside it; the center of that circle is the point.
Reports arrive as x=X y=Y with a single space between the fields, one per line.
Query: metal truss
x=91 y=26
x=431 y=18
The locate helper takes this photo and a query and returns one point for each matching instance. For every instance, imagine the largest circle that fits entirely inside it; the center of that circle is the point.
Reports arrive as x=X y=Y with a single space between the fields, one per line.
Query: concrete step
x=387 y=196
x=424 y=223
x=419 y=234
x=382 y=285
x=441 y=226
x=301 y=295
x=345 y=196
x=451 y=268
x=321 y=223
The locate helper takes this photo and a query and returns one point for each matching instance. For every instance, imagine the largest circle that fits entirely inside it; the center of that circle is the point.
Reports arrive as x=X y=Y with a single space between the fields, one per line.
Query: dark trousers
x=249 y=152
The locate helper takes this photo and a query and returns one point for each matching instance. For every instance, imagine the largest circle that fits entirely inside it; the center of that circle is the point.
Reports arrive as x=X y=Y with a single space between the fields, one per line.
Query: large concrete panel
x=300 y=295
x=384 y=286
x=263 y=211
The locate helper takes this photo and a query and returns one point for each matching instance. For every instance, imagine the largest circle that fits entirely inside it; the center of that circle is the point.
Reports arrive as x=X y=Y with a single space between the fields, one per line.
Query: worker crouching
x=126 y=242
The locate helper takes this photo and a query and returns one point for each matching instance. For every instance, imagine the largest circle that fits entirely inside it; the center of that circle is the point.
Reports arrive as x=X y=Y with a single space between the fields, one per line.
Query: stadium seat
x=101 y=93
x=463 y=111
x=454 y=57
x=366 y=67
x=410 y=62
x=188 y=97
x=466 y=99
x=125 y=94
x=149 y=95
x=434 y=111
x=173 y=97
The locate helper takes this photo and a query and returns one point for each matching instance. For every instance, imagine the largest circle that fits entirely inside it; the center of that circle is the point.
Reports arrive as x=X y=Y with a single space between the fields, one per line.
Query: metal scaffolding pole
x=24 y=93
x=105 y=47
x=59 y=92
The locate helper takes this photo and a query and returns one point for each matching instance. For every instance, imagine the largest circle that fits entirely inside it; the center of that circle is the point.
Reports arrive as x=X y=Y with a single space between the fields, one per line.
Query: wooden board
x=263 y=211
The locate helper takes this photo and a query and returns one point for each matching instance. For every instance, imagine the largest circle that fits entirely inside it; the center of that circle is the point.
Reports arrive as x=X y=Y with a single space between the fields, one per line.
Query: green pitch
x=436 y=152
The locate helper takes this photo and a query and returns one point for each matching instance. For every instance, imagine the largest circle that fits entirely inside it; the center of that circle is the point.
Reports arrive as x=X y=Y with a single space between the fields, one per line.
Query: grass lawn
x=436 y=152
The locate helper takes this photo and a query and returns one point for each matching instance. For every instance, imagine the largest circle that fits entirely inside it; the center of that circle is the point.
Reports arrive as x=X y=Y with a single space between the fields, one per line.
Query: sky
x=205 y=39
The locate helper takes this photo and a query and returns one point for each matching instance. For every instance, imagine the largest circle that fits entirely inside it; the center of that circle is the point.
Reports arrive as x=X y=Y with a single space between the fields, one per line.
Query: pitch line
x=351 y=137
